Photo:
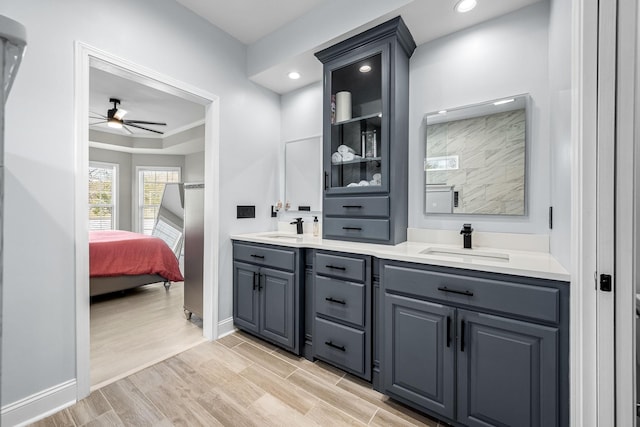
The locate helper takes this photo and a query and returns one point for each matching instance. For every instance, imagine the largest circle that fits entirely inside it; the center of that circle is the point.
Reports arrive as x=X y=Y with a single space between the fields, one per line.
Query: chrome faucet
x=466 y=235
x=298 y=222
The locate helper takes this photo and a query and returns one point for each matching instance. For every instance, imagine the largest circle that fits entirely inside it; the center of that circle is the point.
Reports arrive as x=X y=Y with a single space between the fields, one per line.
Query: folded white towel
x=374 y=182
x=336 y=158
x=363 y=183
x=346 y=157
x=343 y=149
x=377 y=177
x=353 y=184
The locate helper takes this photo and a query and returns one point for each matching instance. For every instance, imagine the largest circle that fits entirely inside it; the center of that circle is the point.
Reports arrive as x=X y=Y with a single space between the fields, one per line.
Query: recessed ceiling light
x=365 y=68
x=294 y=75
x=465 y=6
x=504 y=101
x=442 y=112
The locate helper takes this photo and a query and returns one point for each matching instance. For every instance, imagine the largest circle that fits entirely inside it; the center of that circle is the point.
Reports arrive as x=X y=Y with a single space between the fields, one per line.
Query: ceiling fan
x=114 y=119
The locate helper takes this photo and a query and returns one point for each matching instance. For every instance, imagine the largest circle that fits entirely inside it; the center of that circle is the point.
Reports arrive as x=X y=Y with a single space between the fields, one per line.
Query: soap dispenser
x=316 y=226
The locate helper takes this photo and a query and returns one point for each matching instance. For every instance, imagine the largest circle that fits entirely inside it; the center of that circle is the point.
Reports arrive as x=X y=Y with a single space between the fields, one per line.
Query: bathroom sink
x=467 y=253
x=293 y=237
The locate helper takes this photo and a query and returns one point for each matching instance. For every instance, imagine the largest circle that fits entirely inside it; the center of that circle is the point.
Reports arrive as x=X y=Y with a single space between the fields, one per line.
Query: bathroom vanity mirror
x=476 y=158
x=302 y=173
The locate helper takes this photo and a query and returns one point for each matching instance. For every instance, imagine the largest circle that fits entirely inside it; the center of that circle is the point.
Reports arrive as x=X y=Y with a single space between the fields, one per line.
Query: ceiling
x=254 y=22
x=290 y=31
x=142 y=102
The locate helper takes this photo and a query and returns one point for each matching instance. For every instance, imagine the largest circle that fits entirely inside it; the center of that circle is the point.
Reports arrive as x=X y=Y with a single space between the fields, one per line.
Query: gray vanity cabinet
x=267 y=294
x=507 y=371
x=476 y=348
x=365 y=135
x=420 y=354
x=342 y=311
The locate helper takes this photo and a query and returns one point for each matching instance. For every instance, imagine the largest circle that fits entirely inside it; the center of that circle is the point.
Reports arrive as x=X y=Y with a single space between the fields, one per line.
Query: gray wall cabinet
x=365 y=135
x=456 y=348
x=268 y=295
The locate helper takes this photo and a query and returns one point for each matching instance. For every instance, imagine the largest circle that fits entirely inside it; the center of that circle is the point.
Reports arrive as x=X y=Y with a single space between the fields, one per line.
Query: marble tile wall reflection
x=491 y=153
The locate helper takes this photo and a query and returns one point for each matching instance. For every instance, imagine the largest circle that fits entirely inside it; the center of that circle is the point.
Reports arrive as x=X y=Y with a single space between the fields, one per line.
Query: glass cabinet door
x=358 y=149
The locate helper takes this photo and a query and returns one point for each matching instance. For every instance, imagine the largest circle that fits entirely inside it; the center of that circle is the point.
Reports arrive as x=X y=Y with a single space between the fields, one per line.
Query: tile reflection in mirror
x=476 y=159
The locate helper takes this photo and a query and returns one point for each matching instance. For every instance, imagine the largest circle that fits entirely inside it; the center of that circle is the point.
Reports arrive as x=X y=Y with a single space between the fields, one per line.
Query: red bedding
x=118 y=253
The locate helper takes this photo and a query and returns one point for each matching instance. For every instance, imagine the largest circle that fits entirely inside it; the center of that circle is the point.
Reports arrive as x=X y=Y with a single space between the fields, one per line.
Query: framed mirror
x=303 y=174
x=476 y=158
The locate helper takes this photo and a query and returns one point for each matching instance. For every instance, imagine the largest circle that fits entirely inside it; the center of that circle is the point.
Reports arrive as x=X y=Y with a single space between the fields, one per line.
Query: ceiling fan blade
x=127 y=129
x=142 y=122
x=143 y=128
x=119 y=114
x=102 y=116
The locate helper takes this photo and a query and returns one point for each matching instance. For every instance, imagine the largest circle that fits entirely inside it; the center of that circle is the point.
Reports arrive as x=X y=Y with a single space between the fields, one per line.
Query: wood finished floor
x=237 y=381
x=138 y=328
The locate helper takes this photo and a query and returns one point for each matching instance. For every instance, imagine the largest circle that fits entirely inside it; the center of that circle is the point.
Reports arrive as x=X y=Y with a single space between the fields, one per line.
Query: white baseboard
x=225 y=327
x=40 y=405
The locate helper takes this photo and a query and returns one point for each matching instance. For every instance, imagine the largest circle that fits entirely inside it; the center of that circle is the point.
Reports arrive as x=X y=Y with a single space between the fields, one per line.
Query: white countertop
x=520 y=263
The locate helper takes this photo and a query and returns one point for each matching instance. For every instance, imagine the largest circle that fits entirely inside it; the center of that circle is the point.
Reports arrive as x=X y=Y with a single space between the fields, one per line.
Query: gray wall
x=127 y=190
x=38 y=349
x=125 y=185
x=560 y=128
x=193 y=168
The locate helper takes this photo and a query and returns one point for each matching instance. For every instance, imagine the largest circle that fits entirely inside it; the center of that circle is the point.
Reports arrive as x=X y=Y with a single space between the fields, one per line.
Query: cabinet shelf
x=359 y=160
x=357 y=119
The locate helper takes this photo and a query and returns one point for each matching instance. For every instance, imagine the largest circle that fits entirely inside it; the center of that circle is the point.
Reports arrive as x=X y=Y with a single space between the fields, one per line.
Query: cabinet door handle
x=333 y=267
x=462 y=333
x=337 y=301
x=454 y=291
x=257 y=256
x=352 y=228
x=448 y=331
x=255 y=275
x=352 y=206
x=260 y=276
x=337 y=347
x=326 y=186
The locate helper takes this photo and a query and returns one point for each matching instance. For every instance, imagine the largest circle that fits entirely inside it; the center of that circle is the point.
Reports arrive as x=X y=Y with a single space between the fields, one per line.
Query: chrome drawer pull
x=257 y=256
x=336 y=268
x=352 y=228
x=337 y=301
x=337 y=347
x=453 y=291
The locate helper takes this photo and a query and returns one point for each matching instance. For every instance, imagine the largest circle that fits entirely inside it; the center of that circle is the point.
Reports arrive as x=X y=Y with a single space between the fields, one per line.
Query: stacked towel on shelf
x=343 y=149
x=377 y=179
x=336 y=158
x=344 y=156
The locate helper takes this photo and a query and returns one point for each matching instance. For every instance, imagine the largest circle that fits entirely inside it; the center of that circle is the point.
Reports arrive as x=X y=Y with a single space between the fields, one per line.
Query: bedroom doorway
x=91 y=62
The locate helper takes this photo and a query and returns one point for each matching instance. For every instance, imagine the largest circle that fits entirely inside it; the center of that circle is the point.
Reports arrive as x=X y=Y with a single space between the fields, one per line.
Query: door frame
x=84 y=55
x=627 y=204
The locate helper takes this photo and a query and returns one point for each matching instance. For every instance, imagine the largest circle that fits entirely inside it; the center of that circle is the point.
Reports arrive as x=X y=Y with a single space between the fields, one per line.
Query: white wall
x=505 y=56
x=38 y=349
x=560 y=128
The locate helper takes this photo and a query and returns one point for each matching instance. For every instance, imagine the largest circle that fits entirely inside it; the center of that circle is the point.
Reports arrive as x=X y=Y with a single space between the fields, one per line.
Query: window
x=151 y=181
x=102 y=196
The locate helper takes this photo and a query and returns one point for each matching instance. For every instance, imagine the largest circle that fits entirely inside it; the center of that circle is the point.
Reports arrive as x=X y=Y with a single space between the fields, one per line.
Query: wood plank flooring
x=237 y=381
x=136 y=329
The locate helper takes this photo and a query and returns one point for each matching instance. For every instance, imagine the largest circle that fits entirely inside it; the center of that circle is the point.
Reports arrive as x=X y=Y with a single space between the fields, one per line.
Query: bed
x=120 y=260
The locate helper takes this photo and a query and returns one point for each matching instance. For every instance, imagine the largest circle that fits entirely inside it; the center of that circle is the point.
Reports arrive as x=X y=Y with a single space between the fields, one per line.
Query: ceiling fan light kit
x=114 y=119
